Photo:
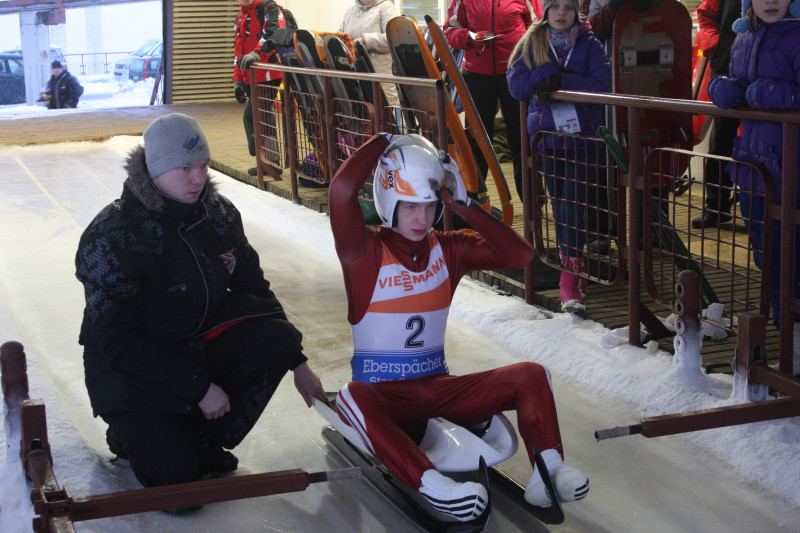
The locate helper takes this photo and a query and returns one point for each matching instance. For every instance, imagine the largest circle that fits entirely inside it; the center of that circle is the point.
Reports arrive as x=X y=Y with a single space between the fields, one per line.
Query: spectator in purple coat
x=764 y=74
x=560 y=52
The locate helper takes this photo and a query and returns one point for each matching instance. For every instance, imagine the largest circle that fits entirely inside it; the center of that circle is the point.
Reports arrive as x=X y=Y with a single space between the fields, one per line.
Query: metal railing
x=317 y=131
x=648 y=180
x=93 y=64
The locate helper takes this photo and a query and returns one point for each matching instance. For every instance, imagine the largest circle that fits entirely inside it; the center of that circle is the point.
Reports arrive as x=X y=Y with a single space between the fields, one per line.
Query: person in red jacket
x=255 y=23
x=400 y=280
x=486 y=62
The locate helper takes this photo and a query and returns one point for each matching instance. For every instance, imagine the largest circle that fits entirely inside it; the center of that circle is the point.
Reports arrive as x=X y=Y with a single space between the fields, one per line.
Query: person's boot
x=253 y=171
x=711 y=219
x=578 y=264
x=462 y=501
x=220 y=461
x=115 y=445
x=570 y=483
x=571 y=296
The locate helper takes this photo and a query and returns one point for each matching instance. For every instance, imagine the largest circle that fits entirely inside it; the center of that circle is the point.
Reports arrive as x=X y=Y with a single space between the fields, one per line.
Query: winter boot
x=578 y=264
x=570 y=483
x=571 y=295
x=220 y=461
x=462 y=501
x=115 y=445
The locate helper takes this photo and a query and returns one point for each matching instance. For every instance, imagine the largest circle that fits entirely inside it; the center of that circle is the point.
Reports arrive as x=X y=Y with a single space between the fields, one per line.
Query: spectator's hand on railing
x=769 y=93
x=248 y=59
x=546 y=86
x=727 y=92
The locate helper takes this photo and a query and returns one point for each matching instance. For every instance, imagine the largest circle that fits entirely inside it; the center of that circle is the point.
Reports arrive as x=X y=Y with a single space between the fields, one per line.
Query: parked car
x=12 y=79
x=55 y=53
x=141 y=64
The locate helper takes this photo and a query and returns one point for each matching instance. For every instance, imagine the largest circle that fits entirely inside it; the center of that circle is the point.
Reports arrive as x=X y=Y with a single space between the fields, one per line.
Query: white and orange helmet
x=404 y=173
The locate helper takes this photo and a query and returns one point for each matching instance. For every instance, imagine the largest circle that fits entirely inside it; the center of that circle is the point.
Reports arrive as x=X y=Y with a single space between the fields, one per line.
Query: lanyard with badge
x=565 y=116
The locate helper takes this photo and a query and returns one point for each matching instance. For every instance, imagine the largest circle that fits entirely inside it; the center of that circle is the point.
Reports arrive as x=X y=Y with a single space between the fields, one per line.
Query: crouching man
x=184 y=342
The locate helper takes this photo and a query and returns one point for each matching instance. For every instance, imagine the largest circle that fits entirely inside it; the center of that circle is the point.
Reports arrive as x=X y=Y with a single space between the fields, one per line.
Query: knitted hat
x=173 y=140
x=56 y=64
x=547 y=3
x=743 y=24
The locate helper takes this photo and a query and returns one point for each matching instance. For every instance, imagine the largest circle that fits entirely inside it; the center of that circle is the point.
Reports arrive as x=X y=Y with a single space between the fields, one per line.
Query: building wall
x=200 y=36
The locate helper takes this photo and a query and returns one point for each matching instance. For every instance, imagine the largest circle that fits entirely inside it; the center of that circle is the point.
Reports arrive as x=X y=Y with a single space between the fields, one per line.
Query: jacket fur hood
x=140 y=184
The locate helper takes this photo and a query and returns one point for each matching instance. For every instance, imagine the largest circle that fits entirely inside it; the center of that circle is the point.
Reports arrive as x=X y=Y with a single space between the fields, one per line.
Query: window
x=15 y=66
x=419 y=8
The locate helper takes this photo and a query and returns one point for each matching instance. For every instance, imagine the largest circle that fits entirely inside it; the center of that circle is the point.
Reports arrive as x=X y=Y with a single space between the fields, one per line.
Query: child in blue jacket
x=764 y=74
x=560 y=52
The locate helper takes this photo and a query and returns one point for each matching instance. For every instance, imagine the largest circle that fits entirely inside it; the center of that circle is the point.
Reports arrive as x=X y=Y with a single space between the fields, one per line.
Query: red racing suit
x=508 y=19
x=254 y=25
x=391 y=415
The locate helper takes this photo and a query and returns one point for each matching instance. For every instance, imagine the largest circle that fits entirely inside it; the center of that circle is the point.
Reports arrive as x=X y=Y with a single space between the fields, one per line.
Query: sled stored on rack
x=412 y=57
x=652 y=57
x=474 y=122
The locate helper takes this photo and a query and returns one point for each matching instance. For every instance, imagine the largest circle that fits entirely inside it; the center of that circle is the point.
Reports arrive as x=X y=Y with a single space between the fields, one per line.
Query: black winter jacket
x=65 y=91
x=158 y=275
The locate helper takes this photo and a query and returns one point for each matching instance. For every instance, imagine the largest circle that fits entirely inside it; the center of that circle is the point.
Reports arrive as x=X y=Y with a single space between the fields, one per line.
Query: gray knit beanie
x=173 y=140
x=547 y=3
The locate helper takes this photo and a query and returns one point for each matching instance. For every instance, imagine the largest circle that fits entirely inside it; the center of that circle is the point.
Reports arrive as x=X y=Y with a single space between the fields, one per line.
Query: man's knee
x=531 y=374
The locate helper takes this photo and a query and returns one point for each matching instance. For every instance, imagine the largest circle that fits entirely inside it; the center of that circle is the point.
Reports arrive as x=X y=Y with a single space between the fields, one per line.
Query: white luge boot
x=462 y=501
x=570 y=483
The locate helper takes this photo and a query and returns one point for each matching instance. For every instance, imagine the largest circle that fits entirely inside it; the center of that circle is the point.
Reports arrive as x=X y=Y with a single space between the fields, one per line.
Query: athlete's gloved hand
x=248 y=59
x=452 y=179
x=727 y=92
x=388 y=136
x=239 y=92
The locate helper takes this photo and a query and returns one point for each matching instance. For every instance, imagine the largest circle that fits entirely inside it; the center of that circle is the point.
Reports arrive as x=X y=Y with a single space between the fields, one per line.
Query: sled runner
x=451 y=448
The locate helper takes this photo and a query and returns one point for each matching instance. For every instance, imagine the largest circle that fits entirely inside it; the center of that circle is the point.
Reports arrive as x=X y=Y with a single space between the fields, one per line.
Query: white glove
x=452 y=179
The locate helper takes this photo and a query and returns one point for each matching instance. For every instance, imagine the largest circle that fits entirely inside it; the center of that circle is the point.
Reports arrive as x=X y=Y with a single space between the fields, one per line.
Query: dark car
x=55 y=53
x=141 y=64
x=12 y=79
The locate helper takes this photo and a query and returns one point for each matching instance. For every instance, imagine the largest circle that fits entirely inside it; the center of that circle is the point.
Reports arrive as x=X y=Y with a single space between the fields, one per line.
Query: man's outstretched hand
x=309 y=385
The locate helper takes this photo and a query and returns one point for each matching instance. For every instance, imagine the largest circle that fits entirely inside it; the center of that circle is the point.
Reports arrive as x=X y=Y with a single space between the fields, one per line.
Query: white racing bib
x=402 y=334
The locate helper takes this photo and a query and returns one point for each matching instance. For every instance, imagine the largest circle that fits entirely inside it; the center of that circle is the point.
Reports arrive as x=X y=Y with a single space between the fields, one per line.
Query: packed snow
x=50 y=194
x=99 y=91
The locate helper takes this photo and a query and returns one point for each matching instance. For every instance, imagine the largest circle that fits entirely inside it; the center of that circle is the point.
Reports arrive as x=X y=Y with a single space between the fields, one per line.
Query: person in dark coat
x=63 y=88
x=716 y=35
x=184 y=341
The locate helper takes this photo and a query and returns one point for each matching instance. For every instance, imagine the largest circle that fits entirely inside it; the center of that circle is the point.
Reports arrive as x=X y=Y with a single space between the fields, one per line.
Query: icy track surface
x=742 y=479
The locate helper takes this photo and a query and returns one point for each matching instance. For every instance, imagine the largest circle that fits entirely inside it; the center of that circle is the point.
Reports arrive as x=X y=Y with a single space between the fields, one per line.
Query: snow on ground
x=43 y=211
x=98 y=91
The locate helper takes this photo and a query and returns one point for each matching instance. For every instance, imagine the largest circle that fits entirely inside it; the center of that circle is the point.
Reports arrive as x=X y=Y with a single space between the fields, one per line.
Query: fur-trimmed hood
x=140 y=185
